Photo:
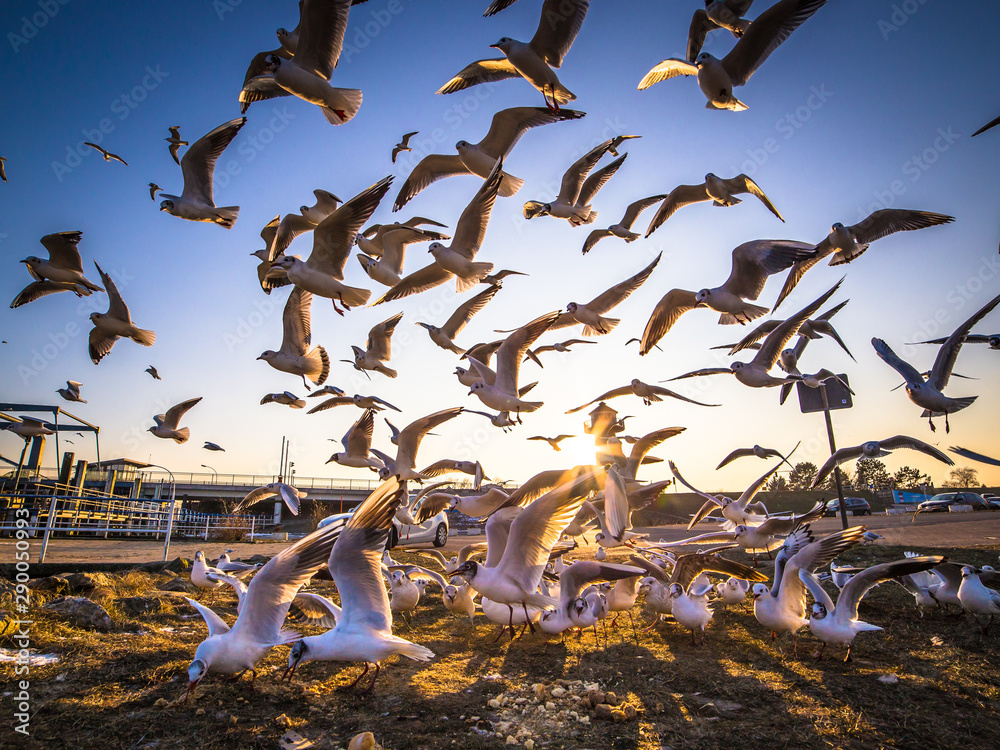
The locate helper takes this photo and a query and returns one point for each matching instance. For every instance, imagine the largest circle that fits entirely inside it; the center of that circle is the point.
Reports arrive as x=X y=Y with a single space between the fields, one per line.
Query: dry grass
x=738 y=690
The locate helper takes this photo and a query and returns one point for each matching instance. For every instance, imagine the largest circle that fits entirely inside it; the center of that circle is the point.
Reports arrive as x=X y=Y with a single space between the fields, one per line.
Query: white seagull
x=577 y=190
x=357 y=443
x=378 y=348
x=72 y=392
x=197 y=201
x=167 y=425
x=290 y=496
x=295 y=356
x=623 y=229
x=114 y=324
x=878 y=449
x=719 y=190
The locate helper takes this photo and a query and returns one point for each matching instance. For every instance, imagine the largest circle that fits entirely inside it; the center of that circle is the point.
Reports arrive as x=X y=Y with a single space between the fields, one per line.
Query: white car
x=432 y=531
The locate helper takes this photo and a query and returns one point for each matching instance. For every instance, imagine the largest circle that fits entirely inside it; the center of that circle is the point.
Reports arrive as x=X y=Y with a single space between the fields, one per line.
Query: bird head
x=702 y=59
x=268 y=355
x=536 y=208
x=709 y=177
x=737 y=366
x=151 y=429
x=272 y=62
x=759 y=590
x=579 y=605
x=434 y=248
x=818 y=611
x=285 y=262
x=476 y=387
x=572 y=307
x=871 y=448
x=675 y=591
x=450 y=592
x=196 y=672
x=462 y=145
x=335 y=459
x=836 y=227
x=467 y=570
x=295 y=657
x=995 y=342
x=167 y=206
x=599 y=537
x=702 y=295
x=384 y=474
x=739 y=531
x=503 y=44
x=199 y=555
x=32 y=261
x=968 y=571
x=428 y=326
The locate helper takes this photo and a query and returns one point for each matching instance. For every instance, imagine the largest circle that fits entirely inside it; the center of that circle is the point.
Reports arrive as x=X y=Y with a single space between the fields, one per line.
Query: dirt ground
x=921 y=683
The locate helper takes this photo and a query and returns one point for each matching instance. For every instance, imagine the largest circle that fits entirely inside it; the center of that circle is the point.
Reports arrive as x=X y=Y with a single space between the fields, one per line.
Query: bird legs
x=253 y=677
x=819 y=654
x=378 y=668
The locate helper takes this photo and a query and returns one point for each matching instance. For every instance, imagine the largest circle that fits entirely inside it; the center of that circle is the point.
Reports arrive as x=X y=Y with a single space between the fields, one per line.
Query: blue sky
x=867 y=105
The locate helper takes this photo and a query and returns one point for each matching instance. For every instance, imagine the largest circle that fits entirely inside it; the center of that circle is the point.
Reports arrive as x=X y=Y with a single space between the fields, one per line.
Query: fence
x=104 y=517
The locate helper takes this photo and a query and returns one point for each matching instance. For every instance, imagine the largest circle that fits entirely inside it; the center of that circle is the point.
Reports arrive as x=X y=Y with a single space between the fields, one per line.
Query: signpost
x=838 y=397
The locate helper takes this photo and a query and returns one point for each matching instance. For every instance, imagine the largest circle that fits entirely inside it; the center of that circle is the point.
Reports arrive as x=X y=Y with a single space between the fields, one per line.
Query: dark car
x=947 y=499
x=856 y=505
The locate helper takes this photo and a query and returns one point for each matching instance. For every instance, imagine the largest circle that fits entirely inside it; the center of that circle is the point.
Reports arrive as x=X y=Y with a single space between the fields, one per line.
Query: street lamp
x=170 y=517
x=215 y=474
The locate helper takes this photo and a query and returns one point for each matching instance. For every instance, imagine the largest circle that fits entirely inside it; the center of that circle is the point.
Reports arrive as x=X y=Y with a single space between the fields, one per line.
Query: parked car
x=992 y=500
x=856 y=505
x=433 y=531
x=946 y=499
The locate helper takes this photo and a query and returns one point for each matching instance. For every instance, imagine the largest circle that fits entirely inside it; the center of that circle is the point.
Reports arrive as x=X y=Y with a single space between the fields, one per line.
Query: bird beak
x=191 y=686
x=23 y=261
x=495 y=46
x=261 y=357
x=163 y=208
x=470 y=392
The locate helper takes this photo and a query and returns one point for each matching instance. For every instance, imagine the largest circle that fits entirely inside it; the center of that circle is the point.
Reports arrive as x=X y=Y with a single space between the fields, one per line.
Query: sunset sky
x=870 y=104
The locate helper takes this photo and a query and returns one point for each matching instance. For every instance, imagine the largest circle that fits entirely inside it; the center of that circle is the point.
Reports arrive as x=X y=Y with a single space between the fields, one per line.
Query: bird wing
x=966 y=453
x=811 y=557
x=116 y=305
x=709 y=498
x=198 y=162
x=754 y=261
x=333 y=237
x=701 y=24
x=905 y=369
x=738 y=453
x=259 y=83
x=411 y=435
x=322 y=25
x=174 y=413
x=216 y=625
x=379 y=342
x=490 y=70
x=470 y=231
x=38 y=289
x=778 y=339
x=63 y=250
x=903 y=441
x=313 y=609
x=466 y=310
x=598 y=179
x=617 y=513
x=826 y=328
x=497 y=534
x=431 y=168
x=426 y=278
x=576 y=577
x=637 y=207
x=861 y=583
x=625 y=390
x=358 y=440
x=948 y=353
x=680 y=196
x=511 y=351
x=290 y=227
x=668 y=311
x=560 y=23
x=356 y=560
x=272 y=590
x=815 y=588
x=689 y=567
x=669 y=68
x=573 y=178
x=253 y=497
x=741 y=183
x=617 y=294
x=888 y=221
x=100 y=342
x=394 y=245
x=594 y=237
x=296 y=323
x=647 y=442
x=508 y=125
x=769 y=30
x=704 y=371
x=839 y=457
x=331 y=403
x=750 y=492
x=536 y=529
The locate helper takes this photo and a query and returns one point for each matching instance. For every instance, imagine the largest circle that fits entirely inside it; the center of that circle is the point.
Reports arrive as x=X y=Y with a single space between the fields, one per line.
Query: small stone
x=584 y=719
x=558 y=692
x=659 y=708
x=529 y=744
x=618 y=716
x=200 y=712
x=596 y=698
x=363 y=741
x=550 y=706
x=161 y=702
x=603 y=711
x=81 y=612
x=574 y=715
x=493 y=703
x=629 y=710
x=282 y=721
x=611 y=699
x=139 y=605
x=510 y=740
x=539 y=690
x=58 y=584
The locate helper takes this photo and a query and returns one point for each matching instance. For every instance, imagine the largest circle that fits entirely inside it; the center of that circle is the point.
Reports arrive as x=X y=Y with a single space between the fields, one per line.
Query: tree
x=871 y=473
x=802 y=475
x=777 y=484
x=963 y=477
x=906 y=477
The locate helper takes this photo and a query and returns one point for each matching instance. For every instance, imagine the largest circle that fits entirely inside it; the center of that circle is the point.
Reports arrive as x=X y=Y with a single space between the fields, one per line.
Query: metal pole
x=20 y=463
x=55 y=421
x=833 y=449
x=170 y=518
x=49 y=523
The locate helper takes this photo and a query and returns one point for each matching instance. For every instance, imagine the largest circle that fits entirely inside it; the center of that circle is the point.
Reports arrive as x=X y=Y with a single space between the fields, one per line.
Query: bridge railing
x=29 y=516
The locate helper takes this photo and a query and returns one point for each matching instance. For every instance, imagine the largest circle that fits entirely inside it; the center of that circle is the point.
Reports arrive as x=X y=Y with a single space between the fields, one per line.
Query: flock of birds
x=524 y=578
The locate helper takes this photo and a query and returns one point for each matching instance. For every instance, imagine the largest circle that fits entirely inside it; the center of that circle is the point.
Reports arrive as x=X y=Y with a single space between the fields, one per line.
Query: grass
x=121 y=689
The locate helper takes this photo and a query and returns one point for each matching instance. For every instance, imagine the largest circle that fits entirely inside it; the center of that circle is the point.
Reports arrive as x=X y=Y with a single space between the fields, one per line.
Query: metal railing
x=104 y=517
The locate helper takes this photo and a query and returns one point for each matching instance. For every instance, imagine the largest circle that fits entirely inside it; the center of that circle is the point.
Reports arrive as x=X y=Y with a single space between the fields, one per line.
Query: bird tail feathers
x=352 y=296
x=144 y=337
x=319 y=365
x=226 y=216
x=854 y=254
x=346 y=102
x=479 y=271
x=749 y=312
x=509 y=184
x=412 y=650
x=182 y=435
x=604 y=325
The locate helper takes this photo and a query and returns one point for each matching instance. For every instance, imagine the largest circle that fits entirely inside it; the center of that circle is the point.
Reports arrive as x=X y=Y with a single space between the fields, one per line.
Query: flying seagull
x=114 y=324
x=403 y=145
x=175 y=141
x=108 y=156
x=722 y=192
x=168 y=425
x=878 y=449
x=295 y=356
